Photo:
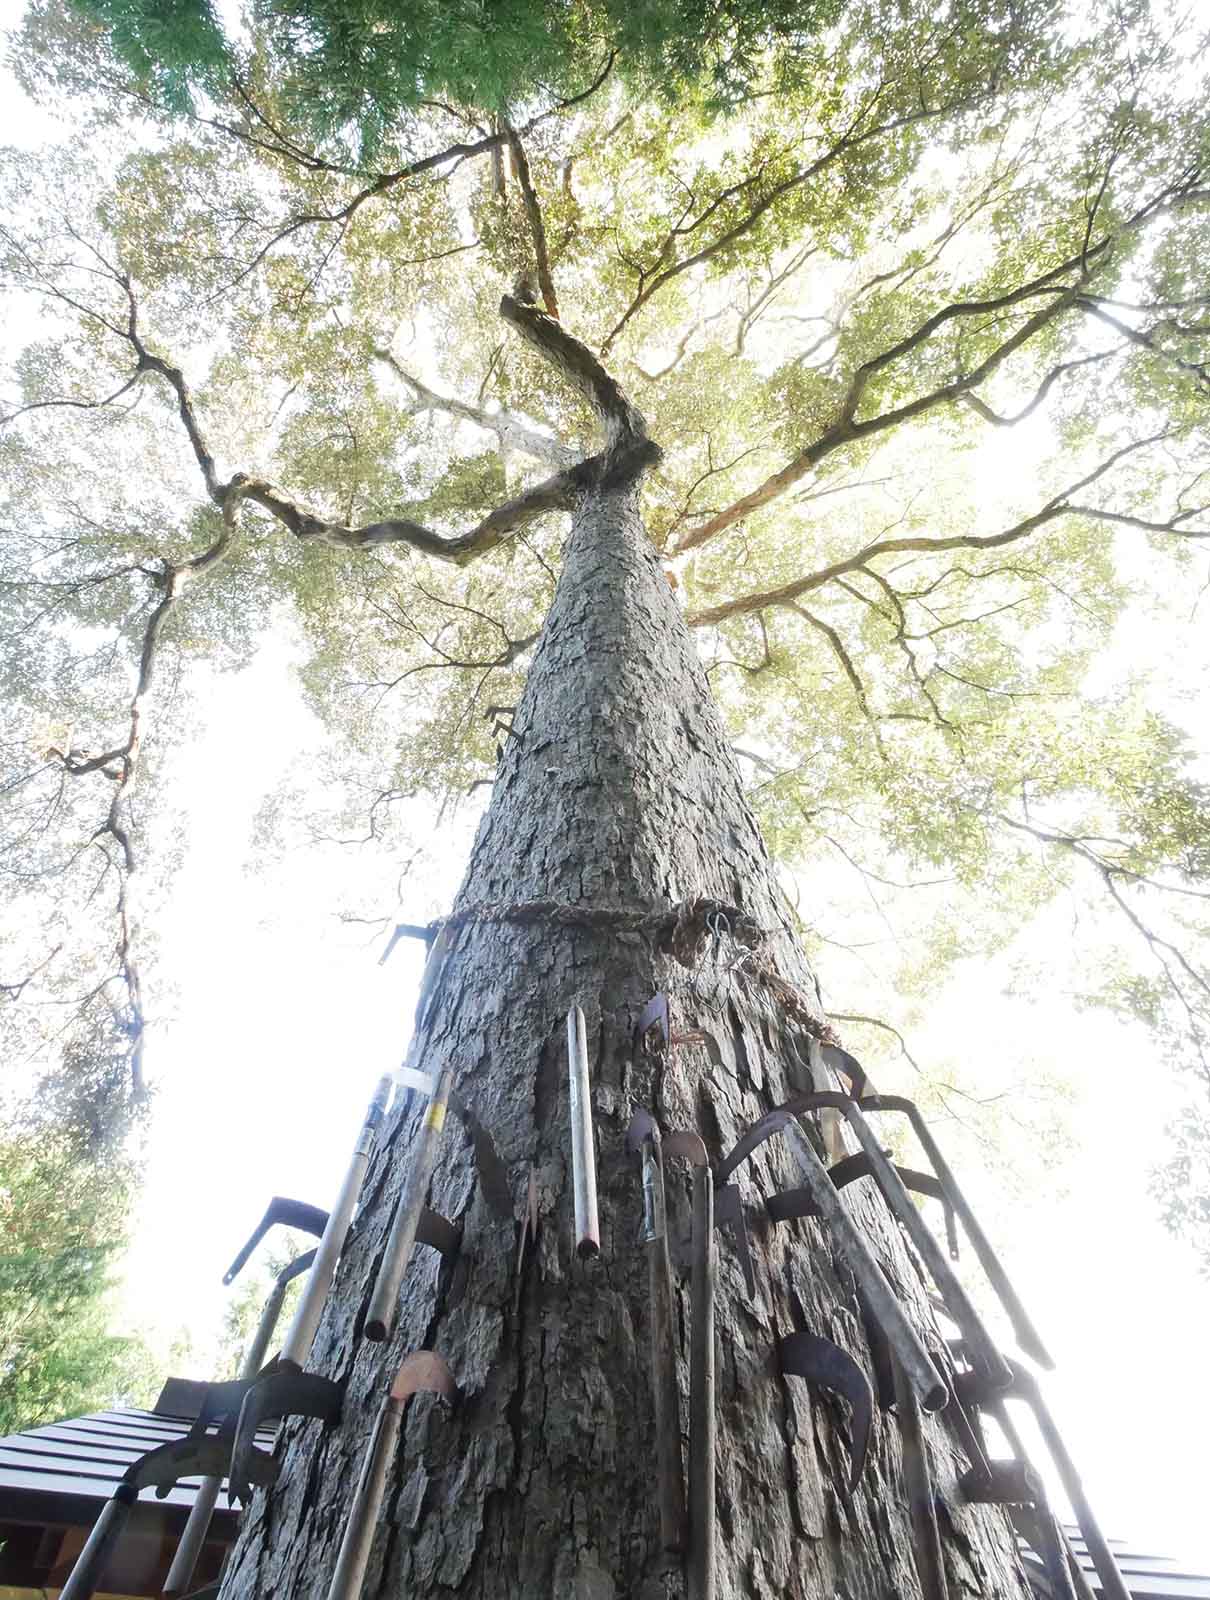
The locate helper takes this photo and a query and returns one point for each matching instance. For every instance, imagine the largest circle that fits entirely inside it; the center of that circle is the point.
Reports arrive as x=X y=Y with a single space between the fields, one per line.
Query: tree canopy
x=919 y=324
x=65 y=1191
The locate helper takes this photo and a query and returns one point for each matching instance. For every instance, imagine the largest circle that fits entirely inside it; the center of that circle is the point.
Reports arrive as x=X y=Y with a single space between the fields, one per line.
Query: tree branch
x=537 y=228
x=623 y=423
x=1058 y=506
x=847 y=427
x=509 y=429
x=558 y=493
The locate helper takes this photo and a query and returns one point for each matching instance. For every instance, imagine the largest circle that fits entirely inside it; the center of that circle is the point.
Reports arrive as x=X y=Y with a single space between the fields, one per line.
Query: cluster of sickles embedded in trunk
x=979 y=1379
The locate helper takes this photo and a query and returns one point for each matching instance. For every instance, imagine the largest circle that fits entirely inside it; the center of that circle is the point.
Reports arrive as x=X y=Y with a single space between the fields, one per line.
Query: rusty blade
x=424 y=1369
x=438 y=1232
x=529 y=1232
x=491 y=1171
x=819 y=1361
x=846 y=1066
x=642 y=1127
x=655 y=1011
x=688 y=1145
x=763 y=1128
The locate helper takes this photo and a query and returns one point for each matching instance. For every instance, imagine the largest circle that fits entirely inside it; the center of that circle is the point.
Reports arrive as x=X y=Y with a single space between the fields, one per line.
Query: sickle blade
x=763 y=1128
x=656 y=1010
x=490 y=1170
x=787 y=1205
x=819 y=1361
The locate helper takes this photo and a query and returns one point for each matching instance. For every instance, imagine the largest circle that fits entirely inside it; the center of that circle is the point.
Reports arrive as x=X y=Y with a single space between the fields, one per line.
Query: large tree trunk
x=618 y=790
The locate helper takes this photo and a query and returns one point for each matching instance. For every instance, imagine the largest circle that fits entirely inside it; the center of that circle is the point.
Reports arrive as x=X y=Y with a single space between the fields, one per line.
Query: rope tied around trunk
x=682 y=930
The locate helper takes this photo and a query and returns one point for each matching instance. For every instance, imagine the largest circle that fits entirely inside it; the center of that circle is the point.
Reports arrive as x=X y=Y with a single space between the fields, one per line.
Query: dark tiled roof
x=81 y=1461
x=1147 y=1577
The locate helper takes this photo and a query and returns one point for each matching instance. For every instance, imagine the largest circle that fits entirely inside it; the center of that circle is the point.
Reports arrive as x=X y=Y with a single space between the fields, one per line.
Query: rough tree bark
x=618 y=789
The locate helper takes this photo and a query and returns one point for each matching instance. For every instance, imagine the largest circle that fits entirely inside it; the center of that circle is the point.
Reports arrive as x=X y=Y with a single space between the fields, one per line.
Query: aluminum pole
x=384 y=1303
x=583 y=1151
x=301 y=1336
x=85 y=1576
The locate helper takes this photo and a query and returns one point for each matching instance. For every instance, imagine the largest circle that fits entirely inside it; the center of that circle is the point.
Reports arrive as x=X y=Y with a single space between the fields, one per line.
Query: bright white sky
x=283 y=1021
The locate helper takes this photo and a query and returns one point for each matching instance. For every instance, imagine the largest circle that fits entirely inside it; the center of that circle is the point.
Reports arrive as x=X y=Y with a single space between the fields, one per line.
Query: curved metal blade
x=656 y=1010
x=438 y=1232
x=818 y=1360
x=491 y=1171
x=763 y=1128
x=687 y=1144
x=292 y=1214
x=643 y=1126
x=280 y=1394
x=424 y=1369
x=881 y=1357
x=846 y=1066
x=206 y=1457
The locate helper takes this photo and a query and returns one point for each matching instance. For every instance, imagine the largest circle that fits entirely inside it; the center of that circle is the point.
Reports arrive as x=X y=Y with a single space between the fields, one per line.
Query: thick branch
x=537 y=228
x=623 y=423
x=848 y=428
x=509 y=429
x=559 y=493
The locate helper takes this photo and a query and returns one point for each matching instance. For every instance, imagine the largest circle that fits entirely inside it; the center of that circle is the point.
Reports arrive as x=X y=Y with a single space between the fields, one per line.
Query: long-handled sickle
x=299 y=1339
x=384 y=1303
x=1016 y=1485
x=288 y=1390
x=283 y=1392
x=793 y=1203
x=290 y=1214
x=926 y=1380
x=918 y=1480
x=643 y=1137
x=986 y=1352
x=160 y=1469
x=702 y=1422
x=1027 y=1335
x=1025 y=1387
x=423 y=1369
x=1047 y=1531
